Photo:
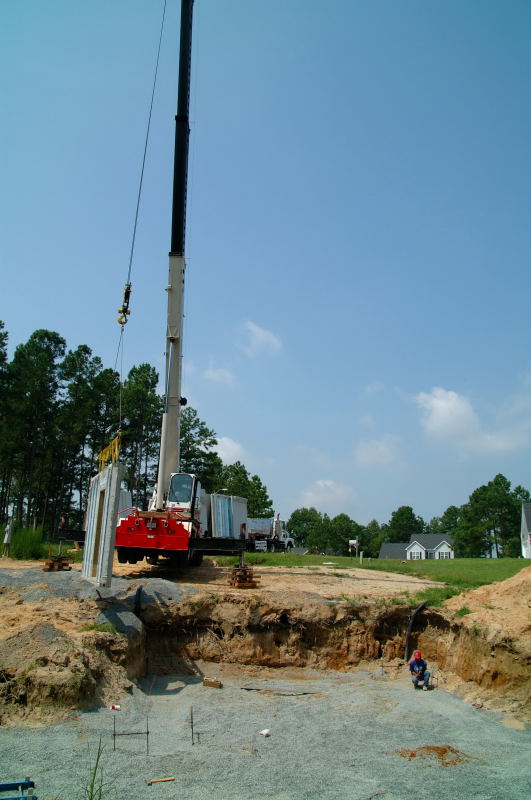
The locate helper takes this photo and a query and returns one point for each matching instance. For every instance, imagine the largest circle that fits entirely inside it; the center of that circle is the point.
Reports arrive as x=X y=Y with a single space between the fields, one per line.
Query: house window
x=444 y=554
x=430 y=554
x=415 y=555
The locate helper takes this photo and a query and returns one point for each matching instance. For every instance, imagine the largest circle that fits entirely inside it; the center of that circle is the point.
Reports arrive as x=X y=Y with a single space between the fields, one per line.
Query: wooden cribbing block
x=213 y=682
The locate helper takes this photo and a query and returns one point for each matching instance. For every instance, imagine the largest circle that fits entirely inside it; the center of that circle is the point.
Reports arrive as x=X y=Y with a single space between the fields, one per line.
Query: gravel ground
x=332 y=735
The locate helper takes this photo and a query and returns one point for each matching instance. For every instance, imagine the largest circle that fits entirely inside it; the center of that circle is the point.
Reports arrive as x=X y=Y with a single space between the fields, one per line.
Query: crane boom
x=170 y=429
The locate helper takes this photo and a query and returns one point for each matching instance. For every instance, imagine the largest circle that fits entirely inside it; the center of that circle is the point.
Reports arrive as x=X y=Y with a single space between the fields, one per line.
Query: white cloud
x=367 y=420
x=218 y=375
x=229 y=450
x=260 y=341
x=328 y=496
x=449 y=415
x=381 y=452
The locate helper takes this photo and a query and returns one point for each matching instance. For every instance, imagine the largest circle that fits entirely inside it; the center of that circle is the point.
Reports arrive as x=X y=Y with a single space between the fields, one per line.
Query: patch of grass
x=434 y=596
x=463 y=611
x=101 y=627
x=463 y=573
x=27 y=544
x=344 y=598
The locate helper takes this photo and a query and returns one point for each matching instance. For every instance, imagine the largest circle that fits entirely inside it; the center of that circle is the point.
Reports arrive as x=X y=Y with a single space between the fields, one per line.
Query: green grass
x=467 y=573
x=26 y=544
x=29 y=545
x=101 y=627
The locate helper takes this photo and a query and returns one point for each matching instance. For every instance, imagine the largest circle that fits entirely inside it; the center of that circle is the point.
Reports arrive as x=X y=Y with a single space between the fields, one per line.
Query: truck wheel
x=195 y=559
x=152 y=560
x=122 y=555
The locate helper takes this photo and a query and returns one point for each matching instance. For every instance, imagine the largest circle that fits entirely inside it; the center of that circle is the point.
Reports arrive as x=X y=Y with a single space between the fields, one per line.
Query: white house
x=429 y=545
x=422 y=545
x=525 y=530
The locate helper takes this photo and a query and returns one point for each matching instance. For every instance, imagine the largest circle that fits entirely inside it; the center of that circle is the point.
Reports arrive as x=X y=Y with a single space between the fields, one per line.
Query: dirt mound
x=502 y=606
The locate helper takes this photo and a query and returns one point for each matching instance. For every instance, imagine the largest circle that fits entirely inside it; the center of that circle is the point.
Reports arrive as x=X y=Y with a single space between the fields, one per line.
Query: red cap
x=417 y=654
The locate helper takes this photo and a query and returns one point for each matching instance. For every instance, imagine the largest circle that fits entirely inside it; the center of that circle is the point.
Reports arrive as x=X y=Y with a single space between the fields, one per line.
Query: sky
x=358 y=228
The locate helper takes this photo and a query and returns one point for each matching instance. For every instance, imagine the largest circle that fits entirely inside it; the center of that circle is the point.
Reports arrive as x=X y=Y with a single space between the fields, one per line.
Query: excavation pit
x=325 y=677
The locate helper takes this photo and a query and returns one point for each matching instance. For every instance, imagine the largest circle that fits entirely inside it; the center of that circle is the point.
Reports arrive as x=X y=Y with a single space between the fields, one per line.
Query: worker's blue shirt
x=418 y=666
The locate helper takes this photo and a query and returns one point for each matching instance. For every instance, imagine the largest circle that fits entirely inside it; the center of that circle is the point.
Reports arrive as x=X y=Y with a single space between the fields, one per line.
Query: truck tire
x=122 y=555
x=195 y=559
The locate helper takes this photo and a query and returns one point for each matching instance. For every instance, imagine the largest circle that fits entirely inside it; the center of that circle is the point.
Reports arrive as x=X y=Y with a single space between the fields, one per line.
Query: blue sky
x=358 y=239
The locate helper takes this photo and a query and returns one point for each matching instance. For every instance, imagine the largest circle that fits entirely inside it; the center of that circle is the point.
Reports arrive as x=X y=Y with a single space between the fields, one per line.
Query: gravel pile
x=331 y=735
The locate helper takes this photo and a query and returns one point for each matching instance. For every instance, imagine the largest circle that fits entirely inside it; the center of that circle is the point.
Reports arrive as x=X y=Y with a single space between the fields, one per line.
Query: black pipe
x=410 y=626
x=182 y=132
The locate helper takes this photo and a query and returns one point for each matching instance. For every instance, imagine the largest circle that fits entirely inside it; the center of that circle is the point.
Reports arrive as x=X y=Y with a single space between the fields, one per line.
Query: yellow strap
x=110 y=453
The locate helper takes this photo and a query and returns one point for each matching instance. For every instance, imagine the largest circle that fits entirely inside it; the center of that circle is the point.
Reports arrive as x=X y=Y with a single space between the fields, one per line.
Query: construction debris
x=159 y=780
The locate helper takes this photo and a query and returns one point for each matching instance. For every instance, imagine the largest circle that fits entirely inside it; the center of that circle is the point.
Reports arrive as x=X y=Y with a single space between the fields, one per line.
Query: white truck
x=268 y=535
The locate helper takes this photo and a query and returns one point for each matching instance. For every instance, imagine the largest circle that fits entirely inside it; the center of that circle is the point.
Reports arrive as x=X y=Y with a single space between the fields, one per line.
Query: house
x=525 y=530
x=421 y=545
x=393 y=550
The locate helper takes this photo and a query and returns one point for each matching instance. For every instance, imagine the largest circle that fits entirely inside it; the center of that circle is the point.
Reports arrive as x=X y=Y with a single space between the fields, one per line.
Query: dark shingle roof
x=393 y=550
x=430 y=540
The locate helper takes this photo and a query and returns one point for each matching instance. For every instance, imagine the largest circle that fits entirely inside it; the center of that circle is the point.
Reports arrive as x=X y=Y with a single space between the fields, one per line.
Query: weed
x=344 y=598
x=95 y=785
x=401 y=599
x=463 y=611
x=101 y=627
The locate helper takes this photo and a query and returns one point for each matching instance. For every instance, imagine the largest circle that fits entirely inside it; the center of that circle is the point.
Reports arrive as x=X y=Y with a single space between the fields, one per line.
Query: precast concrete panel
x=102 y=509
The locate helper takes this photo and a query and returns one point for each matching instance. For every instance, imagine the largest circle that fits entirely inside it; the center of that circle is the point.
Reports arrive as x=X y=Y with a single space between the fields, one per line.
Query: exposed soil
x=328 y=582
x=322 y=618
x=444 y=755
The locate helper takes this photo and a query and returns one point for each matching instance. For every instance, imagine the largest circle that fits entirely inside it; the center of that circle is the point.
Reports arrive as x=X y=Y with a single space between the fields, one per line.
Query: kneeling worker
x=419 y=671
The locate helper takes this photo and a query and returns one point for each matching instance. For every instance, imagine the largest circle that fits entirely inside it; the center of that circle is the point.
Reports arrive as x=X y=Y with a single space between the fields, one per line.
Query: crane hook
x=124 y=310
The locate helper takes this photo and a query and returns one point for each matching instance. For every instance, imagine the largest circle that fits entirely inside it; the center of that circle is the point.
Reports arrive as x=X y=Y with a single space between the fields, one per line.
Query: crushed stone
x=331 y=735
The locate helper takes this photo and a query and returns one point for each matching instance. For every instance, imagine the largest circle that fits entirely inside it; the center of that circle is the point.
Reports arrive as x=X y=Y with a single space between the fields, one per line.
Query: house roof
x=392 y=550
x=526 y=514
x=429 y=541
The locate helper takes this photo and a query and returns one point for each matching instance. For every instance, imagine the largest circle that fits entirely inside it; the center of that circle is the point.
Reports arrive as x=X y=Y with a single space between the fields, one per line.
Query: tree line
x=488 y=524
x=59 y=408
